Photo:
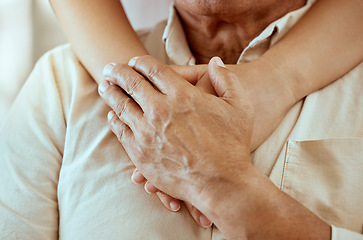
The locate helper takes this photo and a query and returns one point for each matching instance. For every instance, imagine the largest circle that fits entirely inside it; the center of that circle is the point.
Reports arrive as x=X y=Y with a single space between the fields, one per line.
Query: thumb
x=196 y=75
x=192 y=73
x=224 y=82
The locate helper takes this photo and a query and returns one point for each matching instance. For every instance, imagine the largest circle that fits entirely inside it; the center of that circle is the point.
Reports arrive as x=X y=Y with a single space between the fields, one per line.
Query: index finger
x=134 y=84
x=160 y=74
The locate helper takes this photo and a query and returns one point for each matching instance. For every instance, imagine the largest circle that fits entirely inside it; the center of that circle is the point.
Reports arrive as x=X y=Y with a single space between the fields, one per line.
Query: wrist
x=254 y=208
x=231 y=203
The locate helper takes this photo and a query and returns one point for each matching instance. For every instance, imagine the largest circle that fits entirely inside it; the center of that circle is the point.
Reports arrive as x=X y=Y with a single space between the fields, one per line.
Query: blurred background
x=28 y=28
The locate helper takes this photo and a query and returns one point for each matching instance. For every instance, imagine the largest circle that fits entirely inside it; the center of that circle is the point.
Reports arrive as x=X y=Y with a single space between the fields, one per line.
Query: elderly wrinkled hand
x=267 y=86
x=167 y=110
x=195 y=146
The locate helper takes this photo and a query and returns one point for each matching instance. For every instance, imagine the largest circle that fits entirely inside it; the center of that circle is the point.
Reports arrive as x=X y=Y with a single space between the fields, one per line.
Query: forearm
x=257 y=209
x=99 y=32
x=324 y=45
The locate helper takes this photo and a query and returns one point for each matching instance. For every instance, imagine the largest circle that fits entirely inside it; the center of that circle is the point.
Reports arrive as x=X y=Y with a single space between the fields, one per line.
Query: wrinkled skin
x=268 y=93
x=266 y=86
x=225 y=28
x=179 y=115
x=168 y=124
x=195 y=146
x=260 y=83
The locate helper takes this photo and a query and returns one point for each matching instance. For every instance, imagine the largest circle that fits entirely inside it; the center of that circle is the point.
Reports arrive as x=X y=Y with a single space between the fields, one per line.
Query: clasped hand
x=187 y=143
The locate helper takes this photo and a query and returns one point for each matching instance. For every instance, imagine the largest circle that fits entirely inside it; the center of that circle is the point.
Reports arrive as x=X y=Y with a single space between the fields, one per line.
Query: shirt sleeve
x=31 y=145
x=343 y=234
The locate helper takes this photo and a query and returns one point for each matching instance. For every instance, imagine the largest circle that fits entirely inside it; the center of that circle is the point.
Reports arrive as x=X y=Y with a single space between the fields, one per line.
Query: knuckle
x=156 y=70
x=152 y=67
x=112 y=122
x=120 y=133
x=121 y=106
x=132 y=84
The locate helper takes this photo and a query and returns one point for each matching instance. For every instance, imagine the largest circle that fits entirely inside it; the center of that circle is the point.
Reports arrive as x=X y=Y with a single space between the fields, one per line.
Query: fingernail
x=134 y=175
x=219 y=62
x=103 y=86
x=146 y=190
x=150 y=188
x=110 y=115
x=204 y=221
x=132 y=61
x=175 y=206
x=107 y=70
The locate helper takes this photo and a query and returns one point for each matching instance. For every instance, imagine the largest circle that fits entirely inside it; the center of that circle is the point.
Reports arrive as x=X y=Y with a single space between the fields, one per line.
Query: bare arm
x=323 y=46
x=99 y=32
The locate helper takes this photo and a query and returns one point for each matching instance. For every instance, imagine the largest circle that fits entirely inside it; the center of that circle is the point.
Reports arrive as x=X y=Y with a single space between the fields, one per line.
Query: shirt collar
x=176 y=44
x=179 y=53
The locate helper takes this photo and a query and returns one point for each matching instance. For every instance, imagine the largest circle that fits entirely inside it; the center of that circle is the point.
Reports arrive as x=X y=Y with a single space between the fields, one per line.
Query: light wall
x=145 y=13
x=28 y=28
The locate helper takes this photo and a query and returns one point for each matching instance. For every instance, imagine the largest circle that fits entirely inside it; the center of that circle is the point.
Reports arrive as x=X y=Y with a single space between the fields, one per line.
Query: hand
x=257 y=77
x=196 y=147
x=270 y=106
x=267 y=87
x=172 y=204
x=155 y=109
x=260 y=78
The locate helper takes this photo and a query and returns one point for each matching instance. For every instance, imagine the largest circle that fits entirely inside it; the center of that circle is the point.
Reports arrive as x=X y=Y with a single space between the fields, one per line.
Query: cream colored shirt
x=64 y=174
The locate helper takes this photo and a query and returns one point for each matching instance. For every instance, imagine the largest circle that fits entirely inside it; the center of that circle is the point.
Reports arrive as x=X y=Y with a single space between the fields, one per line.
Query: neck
x=225 y=28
